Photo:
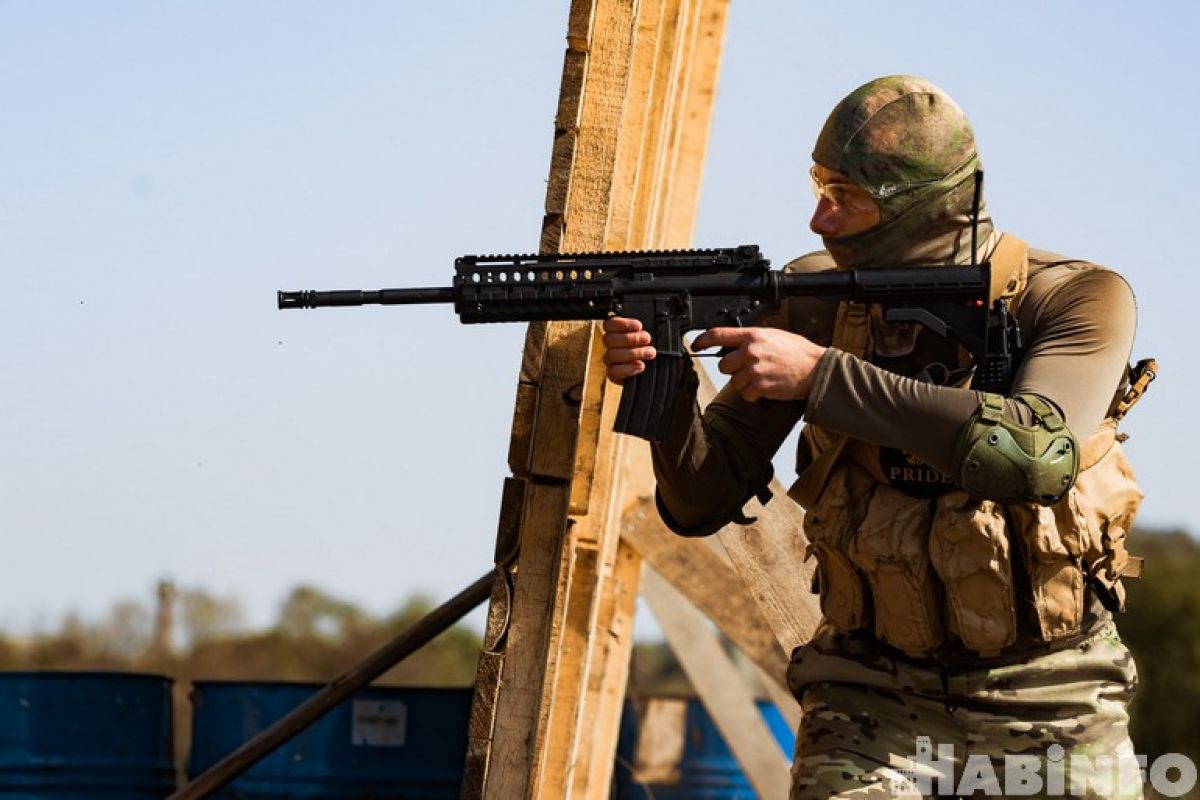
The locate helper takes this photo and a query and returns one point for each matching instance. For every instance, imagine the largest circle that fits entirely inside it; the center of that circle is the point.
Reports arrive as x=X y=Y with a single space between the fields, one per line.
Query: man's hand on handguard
x=761 y=362
x=764 y=362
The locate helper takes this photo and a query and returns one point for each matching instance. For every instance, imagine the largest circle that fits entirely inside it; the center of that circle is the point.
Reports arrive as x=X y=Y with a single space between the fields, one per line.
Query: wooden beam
x=608 y=673
x=549 y=686
x=721 y=687
x=557 y=445
x=697 y=96
x=700 y=575
x=593 y=548
x=518 y=710
x=643 y=116
x=652 y=160
x=644 y=164
x=769 y=554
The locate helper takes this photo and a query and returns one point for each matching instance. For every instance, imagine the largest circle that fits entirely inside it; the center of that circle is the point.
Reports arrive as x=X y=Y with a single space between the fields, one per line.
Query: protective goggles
x=849 y=196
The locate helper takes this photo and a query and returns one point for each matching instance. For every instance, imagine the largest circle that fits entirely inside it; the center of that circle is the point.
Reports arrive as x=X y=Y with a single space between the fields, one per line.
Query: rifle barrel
x=355 y=297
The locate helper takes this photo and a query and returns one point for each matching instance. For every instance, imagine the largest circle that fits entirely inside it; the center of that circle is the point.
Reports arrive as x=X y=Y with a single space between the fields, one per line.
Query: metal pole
x=355 y=678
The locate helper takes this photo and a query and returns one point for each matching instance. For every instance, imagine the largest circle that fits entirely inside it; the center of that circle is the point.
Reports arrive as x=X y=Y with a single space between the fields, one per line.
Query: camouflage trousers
x=877 y=726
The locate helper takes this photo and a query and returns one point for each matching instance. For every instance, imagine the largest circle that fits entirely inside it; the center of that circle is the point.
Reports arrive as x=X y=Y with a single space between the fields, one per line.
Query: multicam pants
x=875 y=726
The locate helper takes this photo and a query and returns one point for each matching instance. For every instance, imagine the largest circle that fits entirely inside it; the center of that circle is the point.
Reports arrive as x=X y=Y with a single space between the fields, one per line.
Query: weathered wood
x=566 y=124
x=769 y=554
x=495 y=636
x=566 y=687
x=583 y=222
x=700 y=575
x=520 y=443
x=651 y=165
x=593 y=545
x=639 y=169
x=595 y=440
x=554 y=732
x=480 y=723
x=555 y=601
x=556 y=420
x=661 y=741
x=596 y=702
x=642 y=116
x=590 y=464
x=673 y=120
x=519 y=712
x=720 y=686
x=698 y=95
x=608 y=674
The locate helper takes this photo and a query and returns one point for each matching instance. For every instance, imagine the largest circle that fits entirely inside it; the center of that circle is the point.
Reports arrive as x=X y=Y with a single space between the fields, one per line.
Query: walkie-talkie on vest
x=994 y=372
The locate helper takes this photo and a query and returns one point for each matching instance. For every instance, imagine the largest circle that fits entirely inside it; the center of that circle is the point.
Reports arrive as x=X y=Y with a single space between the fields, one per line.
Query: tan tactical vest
x=916 y=570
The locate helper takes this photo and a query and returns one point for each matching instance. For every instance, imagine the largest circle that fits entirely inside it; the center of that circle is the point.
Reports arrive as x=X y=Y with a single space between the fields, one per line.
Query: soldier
x=969 y=545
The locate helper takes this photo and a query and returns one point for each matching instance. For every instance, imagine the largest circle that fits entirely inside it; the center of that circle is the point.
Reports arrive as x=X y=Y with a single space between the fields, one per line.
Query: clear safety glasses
x=849 y=196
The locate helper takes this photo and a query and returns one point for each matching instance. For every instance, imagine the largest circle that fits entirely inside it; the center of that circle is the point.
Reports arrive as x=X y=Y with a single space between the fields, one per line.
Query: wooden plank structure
x=577 y=522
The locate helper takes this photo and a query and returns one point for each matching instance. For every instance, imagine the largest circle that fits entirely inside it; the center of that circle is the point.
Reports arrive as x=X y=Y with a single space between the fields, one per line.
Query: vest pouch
x=830 y=525
x=1095 y=518
x=1055 y=577
x=969 y=550
x=892 y=549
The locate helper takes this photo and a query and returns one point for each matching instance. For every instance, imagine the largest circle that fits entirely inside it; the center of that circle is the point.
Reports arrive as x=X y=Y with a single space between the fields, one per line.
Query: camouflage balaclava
x=908 y=144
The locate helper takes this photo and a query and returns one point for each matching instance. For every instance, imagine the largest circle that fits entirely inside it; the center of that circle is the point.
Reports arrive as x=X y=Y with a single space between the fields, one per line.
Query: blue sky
x=167 y=166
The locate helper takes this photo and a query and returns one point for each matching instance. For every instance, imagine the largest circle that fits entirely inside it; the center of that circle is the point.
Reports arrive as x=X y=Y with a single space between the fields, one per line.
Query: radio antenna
x=975 y=217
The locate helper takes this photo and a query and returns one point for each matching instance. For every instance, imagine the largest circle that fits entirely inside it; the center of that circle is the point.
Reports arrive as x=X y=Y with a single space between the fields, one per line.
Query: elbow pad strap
x=1002 y=460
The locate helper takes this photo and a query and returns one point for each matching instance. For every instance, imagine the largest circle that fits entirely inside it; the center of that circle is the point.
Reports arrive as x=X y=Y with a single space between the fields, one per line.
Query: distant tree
x=127 y=632
x=311 y=613
x=11 y=653
x=1161 y=626
x=206 y=616
x=448 y=660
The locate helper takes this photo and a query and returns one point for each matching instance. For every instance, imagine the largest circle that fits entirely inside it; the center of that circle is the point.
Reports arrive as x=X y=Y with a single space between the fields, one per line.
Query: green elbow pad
x=1002 y=460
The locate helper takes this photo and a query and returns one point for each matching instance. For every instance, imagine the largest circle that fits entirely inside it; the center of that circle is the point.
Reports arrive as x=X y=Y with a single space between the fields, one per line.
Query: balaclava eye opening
x=908 y=144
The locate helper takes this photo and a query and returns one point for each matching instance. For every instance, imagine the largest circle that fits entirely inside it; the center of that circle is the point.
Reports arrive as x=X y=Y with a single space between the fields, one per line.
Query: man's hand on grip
x=764 y=362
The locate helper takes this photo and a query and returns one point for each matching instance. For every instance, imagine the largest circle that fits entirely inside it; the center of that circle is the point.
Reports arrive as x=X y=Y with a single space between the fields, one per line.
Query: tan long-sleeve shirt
x=1077 y=321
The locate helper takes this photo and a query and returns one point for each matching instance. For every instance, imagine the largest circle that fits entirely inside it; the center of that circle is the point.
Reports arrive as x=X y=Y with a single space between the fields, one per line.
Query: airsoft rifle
x=674 y=292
